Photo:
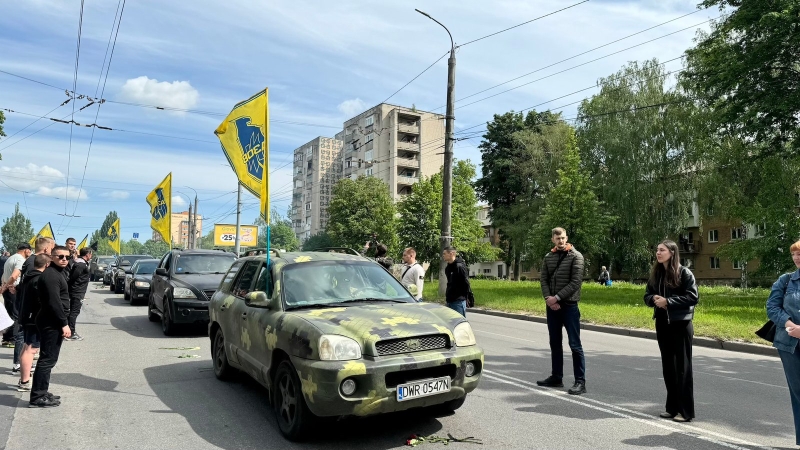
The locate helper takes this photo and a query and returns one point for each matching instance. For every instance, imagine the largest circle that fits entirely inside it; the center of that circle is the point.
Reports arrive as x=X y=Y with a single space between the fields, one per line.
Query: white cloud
x=178 y=94
x=116 y=195
x=352 y=107
x=72 y=192
x=177 y=200
x=31 y=176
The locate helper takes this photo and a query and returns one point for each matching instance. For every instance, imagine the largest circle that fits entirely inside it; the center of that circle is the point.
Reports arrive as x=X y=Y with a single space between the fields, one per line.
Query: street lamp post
x=447 y=178
x=193 y=222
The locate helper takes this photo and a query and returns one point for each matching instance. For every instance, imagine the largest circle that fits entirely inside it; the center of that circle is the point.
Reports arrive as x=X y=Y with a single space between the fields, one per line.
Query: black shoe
x=75 y=337
x=44 y=402
x=551 y=381
x=578 y=388
x=667 y=415
x=53 y=397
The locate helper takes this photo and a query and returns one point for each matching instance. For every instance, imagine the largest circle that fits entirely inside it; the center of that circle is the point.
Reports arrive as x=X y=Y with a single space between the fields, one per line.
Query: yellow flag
x=244 y=136
x=160 y=201
x=83 y=243
x=46 y=231
x=114 y=236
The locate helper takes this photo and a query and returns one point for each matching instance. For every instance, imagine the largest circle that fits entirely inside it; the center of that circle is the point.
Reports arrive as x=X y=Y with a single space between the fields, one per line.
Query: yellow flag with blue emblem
x=46 y=231
x=160 y=201
x=244 y=136
x=84 y=243
x=114 y=236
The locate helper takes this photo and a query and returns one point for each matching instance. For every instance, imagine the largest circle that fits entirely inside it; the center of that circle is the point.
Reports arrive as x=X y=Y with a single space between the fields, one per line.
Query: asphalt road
x=126 y=387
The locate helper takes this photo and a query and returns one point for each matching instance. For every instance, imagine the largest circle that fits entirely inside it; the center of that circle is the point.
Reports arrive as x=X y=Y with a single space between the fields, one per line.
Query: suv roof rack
x=262 y=251
x=347 y=250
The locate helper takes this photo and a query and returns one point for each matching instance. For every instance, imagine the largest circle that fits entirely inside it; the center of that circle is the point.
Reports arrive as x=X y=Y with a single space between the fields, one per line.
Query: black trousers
x=675 y=343
x=74 y=309
x=8 y=300
x=50 y=339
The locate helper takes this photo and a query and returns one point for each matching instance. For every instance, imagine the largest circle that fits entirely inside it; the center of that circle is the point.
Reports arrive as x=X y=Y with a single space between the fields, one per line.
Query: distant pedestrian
x=604 y=276
x=27 y=320
x=3 y=258
x=413 y=274
x=458 y=287
x=53 y=325
x=783 y=308
x=71 y=244
x=78 y=283
x=561 y=280
x=672 y=293
x=381 y=251
x=12 y=272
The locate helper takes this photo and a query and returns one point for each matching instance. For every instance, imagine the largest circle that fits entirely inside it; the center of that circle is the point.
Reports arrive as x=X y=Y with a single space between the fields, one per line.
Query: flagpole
x=238 y=217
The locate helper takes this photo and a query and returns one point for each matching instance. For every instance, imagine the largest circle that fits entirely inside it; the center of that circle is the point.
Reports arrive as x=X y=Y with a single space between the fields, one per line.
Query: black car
x=123 y=266
x=97 y=266
x=183 y=284
x=137 y=283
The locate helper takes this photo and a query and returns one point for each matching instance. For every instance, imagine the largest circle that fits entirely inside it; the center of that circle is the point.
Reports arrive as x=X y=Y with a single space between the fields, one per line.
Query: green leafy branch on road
x=416 y=440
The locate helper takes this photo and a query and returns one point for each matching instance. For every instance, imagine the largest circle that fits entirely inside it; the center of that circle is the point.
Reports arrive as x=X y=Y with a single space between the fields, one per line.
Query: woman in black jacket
x=672 y=293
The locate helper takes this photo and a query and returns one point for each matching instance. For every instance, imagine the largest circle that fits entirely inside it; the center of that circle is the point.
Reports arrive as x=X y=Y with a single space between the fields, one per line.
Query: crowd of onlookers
x=43 y=290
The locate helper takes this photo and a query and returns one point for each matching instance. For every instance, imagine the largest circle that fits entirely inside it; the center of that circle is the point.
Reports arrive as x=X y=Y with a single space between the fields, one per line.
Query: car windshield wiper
x=314 y=305
x=371 y=299
x=187 y=273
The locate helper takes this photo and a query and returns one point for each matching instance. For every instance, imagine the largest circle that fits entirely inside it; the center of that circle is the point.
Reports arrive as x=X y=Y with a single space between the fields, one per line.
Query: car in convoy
x=183 y=284
x=97 y=266
x=332 y=334
x=109 y=270
x=137 y=283
x=122 y=266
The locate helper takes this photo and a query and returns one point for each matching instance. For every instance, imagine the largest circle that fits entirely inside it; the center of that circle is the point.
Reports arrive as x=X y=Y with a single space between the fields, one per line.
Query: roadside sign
x=225 y=235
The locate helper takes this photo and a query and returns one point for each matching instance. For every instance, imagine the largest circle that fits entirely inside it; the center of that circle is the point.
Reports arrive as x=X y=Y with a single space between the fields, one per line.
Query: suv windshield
x=147 y=267
x=203 y=263
x=129 y=260
x=105 y=260
x=335 y=282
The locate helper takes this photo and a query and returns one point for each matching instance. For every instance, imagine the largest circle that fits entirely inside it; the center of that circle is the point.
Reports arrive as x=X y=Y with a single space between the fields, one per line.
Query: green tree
x=638 y=139
x=206 y=242
x=572 y=204
x=318 y=241
x=746 y=71
x=16 y=230
x=156 y=249
x=360 y=208
x=132 y=248
x=281 y=233
x=2 y=133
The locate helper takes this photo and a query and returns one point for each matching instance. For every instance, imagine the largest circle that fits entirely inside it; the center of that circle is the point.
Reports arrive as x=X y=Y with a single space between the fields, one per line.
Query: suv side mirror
x=258 y=299
x=162 y=272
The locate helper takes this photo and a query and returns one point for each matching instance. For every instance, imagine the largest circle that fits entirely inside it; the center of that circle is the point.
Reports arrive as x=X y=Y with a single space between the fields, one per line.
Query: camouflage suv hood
x=369 y=324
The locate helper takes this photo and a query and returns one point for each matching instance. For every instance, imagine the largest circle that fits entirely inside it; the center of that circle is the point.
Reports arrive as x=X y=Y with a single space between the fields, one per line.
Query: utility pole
x=189 y=226
x=447 y=178
x=194 y=224
x=238 y=217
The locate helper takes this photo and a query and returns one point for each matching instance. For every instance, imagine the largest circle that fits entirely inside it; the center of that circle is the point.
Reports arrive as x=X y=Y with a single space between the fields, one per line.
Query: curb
x=741 y=347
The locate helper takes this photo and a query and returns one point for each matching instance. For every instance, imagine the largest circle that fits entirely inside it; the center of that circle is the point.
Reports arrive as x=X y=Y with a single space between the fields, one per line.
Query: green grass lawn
x=723 y=312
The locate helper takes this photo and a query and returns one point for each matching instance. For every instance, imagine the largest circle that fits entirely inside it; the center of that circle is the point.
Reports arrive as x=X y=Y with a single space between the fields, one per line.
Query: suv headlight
x=338 y=348
x=464 y=335
x=141 y=284
x=180 y=292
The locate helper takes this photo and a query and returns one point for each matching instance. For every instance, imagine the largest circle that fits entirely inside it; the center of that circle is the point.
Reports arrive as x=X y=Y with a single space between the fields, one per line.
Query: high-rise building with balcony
x=317 y=167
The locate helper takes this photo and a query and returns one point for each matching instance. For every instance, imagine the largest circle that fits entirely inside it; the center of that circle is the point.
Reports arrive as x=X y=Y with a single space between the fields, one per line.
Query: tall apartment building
x=180 y=229
x=317 y=167
x=396 y=144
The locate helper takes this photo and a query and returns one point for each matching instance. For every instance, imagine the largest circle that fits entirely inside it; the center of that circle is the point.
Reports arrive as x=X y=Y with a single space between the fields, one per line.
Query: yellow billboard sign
x=225 y=235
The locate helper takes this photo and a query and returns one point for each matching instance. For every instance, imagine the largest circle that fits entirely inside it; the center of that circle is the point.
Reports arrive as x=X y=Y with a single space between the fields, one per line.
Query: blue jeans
x=791 y=366
x=569 y=317
x=19 y=341
x=459 y=305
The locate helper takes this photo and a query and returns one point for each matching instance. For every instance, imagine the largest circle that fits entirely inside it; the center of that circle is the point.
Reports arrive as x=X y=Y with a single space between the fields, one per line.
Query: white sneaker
x=24 y=387
x=15 y=368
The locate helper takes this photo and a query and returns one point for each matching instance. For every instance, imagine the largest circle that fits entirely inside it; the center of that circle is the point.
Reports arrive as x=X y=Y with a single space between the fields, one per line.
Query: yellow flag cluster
x=84 y=243
x=160 y=201
x=114 y=236
x=244 y=136
x=46 y=231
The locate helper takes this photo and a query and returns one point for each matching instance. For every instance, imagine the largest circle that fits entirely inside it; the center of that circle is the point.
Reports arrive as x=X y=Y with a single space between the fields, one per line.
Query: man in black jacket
x=53 y=325
x=78 y=283
x=458 y=287
x=29 y=309
x=561 y=280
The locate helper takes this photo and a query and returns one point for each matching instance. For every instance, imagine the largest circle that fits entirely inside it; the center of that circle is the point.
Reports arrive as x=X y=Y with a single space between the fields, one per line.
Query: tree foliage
x=360 y=208
x=746 y=71
x=318 y=241
x=281 y=233
x=16 y=230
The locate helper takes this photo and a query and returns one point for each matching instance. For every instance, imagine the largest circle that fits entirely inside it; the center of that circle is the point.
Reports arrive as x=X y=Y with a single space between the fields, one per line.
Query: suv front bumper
x=189 y=311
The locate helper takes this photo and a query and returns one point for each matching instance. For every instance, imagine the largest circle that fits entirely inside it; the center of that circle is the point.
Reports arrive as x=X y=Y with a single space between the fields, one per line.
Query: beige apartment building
x=180 y=229
x=395 y=144
x=317 y=167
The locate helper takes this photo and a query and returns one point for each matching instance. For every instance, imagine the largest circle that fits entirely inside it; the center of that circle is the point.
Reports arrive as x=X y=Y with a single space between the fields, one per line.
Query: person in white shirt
x=12 y=270
x=413 y=274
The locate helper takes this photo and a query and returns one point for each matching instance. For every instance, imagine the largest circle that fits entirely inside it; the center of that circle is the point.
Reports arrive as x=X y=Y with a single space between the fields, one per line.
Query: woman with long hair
x=783 y=308
x=672 y=293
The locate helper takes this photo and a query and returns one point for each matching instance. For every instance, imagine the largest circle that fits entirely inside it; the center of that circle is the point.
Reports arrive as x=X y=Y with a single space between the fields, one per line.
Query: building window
x=738 y=265
x=687 y=262
x=369 y=138
x=368 y=155
x=710 y=211
x=713 y=236
x=369 y=121
x=761 y=229
x=308 y=206
x=309 y=151
x=368 y=172
x=487 y=270
x=348 y=163
x=736 y=233
x=714 y=262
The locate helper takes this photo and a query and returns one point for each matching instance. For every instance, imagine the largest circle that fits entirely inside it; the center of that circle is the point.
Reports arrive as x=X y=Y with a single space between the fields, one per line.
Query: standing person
x=561 y=280
x=12 y=272
x=71 y=244
x=672 y=293
x=53 y=325
x=413 y=273
x=78 y=283
x=458 y=287
x=27 y=320
x=783 y=308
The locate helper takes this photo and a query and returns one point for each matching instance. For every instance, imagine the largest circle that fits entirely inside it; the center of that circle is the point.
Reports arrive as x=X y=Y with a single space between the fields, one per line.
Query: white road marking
x=684 y=429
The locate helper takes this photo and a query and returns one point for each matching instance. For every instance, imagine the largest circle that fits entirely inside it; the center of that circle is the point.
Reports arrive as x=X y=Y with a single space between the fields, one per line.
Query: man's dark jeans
x=569 y=317
x=50 y=339
x=74 y=309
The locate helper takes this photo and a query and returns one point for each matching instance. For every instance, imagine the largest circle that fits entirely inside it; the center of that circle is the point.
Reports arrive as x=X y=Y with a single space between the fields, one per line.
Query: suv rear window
x=129 y=260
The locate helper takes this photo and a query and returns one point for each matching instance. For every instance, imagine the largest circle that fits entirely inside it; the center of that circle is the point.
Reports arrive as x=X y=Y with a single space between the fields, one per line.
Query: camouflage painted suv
x=332 y=334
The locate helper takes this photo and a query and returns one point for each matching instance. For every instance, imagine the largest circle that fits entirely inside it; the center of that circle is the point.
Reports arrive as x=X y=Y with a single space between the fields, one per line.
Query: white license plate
x=424 y=388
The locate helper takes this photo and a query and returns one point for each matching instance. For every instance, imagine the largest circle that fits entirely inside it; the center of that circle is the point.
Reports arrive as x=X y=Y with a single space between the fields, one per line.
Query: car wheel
x=293 y=416
x=167 y=325
x=126 y=295
x=111 y=286
x=117 y=288
x=222 y=370
x=132 y=293
x=151 y=315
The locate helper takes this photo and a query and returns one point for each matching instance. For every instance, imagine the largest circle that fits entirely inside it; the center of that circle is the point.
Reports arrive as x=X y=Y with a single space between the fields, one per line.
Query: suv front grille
x=411 y=345
x=209 y=294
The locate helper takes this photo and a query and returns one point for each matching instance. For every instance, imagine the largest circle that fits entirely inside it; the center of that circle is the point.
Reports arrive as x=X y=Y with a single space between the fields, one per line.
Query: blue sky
x=323 y=62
